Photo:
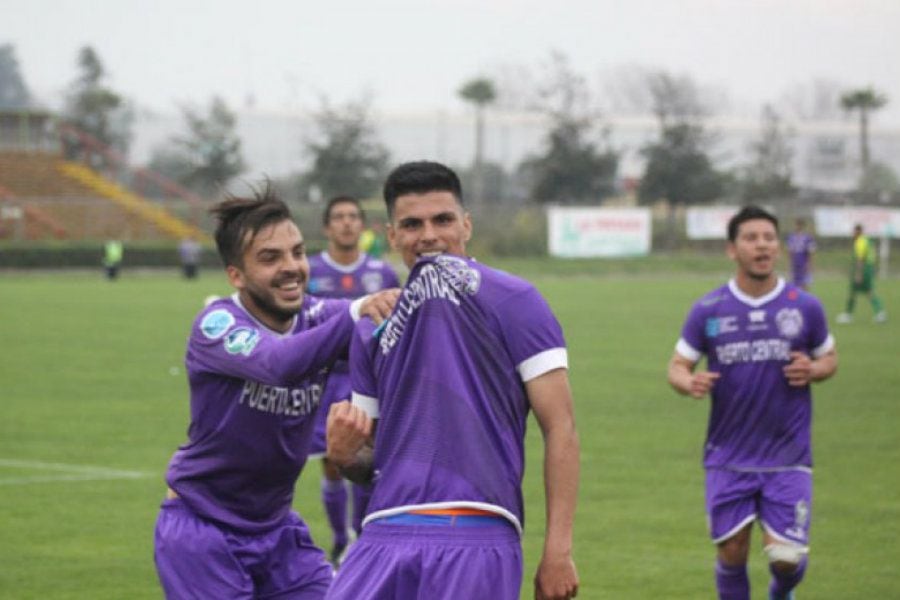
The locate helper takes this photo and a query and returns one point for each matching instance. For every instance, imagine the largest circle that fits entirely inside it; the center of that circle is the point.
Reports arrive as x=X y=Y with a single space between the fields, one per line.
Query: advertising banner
x=590 y=232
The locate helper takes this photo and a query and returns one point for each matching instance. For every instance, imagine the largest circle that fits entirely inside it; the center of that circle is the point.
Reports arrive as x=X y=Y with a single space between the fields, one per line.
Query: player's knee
x=785 y=557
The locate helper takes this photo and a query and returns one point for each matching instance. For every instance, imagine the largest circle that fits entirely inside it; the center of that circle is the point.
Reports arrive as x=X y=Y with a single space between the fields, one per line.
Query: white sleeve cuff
x=367 y=403
x=543 y=362
x=687 y=351
x=354 y=308
x=824 y=347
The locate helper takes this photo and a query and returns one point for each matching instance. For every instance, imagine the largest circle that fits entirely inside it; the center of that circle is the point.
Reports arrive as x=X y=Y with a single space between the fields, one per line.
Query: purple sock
x=732 y=582
x=334 y=497
x=361 y=495
x=783 y=583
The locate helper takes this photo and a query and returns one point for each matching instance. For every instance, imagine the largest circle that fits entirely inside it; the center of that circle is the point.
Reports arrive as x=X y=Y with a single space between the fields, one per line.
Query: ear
x=235 y=277
x=467 y=226
x=392 y=236
x=731 y=251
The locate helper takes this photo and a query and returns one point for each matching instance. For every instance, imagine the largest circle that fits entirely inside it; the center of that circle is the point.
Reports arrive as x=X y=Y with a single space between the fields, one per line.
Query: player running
x=342 y=271
x=765 y=342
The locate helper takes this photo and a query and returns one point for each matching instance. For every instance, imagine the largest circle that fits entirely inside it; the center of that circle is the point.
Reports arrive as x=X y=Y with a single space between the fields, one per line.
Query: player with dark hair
x=765 y=342
x=256 y=365
x=448 y=382
x=801 y=247
x=862 y=277
x=342 y=271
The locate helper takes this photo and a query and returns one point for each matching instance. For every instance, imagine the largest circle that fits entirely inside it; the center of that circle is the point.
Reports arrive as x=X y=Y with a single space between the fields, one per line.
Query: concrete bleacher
x=62 y=199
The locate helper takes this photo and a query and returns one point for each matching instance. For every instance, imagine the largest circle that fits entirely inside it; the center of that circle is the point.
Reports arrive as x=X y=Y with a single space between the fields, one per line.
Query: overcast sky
x=412 y=55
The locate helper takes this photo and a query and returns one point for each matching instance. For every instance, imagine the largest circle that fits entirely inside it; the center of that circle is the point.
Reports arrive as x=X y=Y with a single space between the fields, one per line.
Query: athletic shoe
x=336 y=556
x=881 y=317
x=789 y=596
x=844 y=318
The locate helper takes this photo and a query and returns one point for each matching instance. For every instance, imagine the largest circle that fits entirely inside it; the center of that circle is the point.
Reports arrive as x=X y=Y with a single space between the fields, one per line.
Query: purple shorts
x=780 y=500
x=434 y=562
x=337 y=388
x=197 y=559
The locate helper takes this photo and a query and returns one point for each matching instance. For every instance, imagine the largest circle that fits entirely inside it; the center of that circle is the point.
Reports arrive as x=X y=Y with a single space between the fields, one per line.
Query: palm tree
x=480 y=92
x=865 y=100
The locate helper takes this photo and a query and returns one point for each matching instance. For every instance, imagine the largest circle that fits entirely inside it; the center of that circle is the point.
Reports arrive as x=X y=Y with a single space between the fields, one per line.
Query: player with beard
x=765 y=342
x=256 y=364
x=342 y=271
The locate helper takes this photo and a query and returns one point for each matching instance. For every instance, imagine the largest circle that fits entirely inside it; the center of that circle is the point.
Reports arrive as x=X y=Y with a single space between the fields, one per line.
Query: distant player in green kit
x=862 y=277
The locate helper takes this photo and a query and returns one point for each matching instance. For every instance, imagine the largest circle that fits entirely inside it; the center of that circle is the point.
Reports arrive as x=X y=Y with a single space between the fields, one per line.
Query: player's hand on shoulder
x=702 y=382
x=556 y=578
x=378 y=306
x=346 y=431
x=799 y=371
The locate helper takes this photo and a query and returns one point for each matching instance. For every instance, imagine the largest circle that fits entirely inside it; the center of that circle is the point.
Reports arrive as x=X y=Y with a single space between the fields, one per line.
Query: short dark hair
x=240 y=219
x=326 y=216
x=420 y=177
x=749 y=213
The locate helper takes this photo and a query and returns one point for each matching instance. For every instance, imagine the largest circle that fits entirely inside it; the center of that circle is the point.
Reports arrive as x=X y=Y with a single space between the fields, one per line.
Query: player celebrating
x=450 y=380
x=765 y=342
x=342 y=271
x=801 y=247
x=256 y=365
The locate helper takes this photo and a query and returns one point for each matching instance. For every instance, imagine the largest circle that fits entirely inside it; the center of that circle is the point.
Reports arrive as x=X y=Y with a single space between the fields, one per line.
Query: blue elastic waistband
x=443 y=520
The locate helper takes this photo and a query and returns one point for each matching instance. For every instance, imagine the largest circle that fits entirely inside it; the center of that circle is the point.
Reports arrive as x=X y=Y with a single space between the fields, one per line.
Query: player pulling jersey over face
x=450 y=379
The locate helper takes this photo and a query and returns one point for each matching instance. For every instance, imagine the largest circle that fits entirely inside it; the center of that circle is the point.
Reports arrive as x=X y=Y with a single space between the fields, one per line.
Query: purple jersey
x=800 y=246
x=254 y=395
x=445 y=379
x=757 y=420
x=332 y=280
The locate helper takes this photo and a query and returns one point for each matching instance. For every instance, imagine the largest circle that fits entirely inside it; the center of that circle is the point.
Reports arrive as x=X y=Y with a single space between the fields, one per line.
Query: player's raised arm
x=551 y=399
x=685 y=380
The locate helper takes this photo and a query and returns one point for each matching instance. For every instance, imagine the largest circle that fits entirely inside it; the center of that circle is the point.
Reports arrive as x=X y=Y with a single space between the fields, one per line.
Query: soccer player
x=765 y=342
x=342 y=271
x=801 y=247
x=862 y=277
x=450 y=379
x=256 y=365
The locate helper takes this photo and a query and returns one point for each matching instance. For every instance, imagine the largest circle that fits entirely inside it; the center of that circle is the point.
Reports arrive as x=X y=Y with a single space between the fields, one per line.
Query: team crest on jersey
x=461 y=277
x=372 y=282
x=241 y=341
x=789 y=322
x=216 y=323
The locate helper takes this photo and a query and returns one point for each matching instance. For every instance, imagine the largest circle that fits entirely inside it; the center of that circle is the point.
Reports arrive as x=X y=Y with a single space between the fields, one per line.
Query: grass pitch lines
x=57 y=472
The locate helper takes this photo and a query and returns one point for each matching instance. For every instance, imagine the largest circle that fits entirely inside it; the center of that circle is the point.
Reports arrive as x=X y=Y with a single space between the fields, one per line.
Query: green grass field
x=94 y=402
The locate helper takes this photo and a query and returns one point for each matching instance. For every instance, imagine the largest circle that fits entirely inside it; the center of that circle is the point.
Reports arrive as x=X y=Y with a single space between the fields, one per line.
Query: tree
x=347 y=157
x=864 y=100
x=769 y=176
x=479 y=92
x=209 y=156
x=571 y=167
x=95 y=109
x=678 y=168
x=13 y=91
